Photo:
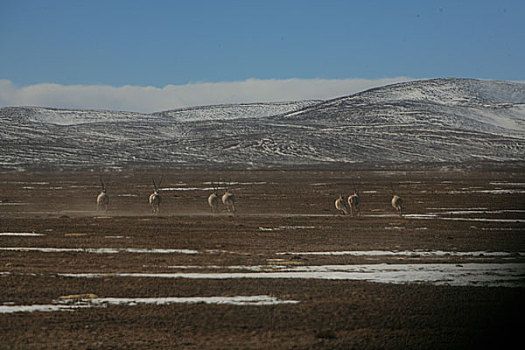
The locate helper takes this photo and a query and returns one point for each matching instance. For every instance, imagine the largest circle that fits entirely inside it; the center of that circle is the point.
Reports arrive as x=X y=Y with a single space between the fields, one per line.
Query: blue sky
x=163 y=43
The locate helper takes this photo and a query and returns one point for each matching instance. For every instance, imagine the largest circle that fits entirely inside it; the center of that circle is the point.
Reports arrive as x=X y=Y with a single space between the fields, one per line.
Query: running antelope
x=155 y=199
x=228 y=199
x=353 y=202
x=103 y=197
x=213 y=200
x=397 y=202
x=341 y=205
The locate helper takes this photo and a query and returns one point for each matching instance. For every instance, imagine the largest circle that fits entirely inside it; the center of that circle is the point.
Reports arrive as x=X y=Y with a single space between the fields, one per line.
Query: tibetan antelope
x=397 y=202
x=353 y=202
x=103 y=197
x=228 y=199
x=213 y=200
x=341 y=205
x=155 y=199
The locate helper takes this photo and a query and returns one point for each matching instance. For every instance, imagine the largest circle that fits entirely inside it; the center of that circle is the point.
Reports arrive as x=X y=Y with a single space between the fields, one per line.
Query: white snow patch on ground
x=437 y=217
x=517 y=184
x=508 y=191
x=187 y=189
x=99 y=250
x=501 y=229
x=420 y=216
x=461 y=212
x=485 y=220
x=9 y=309
x=70 y=305
x=21 y=234
x=423 y=253
x=281 y=228
x=471 y=274
x=228 y=267
x=236 y=300
x=458 y=208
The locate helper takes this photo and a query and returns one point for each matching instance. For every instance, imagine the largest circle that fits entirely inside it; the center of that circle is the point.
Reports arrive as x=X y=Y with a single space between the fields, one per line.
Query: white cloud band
x=153 y=99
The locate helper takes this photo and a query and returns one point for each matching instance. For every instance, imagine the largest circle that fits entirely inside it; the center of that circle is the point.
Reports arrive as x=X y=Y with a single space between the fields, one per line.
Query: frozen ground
x=285 y=272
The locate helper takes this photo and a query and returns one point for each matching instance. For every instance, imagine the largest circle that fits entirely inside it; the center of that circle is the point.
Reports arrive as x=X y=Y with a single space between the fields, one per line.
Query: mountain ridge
x=436 y=120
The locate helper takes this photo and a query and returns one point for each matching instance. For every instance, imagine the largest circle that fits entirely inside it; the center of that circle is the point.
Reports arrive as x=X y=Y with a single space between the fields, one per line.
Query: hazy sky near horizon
x=60 y=53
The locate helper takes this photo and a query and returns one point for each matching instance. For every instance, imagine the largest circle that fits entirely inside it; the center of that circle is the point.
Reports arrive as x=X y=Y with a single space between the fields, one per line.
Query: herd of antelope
x=353 y=203
x=155 y=199
x=228 y=199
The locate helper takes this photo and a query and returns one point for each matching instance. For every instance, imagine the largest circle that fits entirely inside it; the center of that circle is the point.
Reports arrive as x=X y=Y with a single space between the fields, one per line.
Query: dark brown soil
x=297 y=205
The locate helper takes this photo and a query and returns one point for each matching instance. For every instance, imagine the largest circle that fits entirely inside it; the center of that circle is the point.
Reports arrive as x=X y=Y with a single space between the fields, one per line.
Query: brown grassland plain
x=479 y=208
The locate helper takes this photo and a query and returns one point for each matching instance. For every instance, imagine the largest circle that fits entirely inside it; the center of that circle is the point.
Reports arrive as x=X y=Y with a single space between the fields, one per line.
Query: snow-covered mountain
x=425 y=121
x=235 y=111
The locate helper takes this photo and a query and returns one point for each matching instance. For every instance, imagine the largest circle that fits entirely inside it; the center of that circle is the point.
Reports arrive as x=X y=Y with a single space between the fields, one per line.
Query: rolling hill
x=438 y=120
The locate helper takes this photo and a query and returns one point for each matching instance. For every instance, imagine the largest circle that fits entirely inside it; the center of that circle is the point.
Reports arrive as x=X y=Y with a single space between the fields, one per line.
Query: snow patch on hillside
x=452 y=120
x=237 y=111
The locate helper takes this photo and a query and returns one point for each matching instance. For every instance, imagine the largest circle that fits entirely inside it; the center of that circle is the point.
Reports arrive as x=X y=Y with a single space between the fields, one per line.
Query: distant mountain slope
x=470 y=105
x=223 y=112
x=235 y=111
x=40 y=115
x=428 y=120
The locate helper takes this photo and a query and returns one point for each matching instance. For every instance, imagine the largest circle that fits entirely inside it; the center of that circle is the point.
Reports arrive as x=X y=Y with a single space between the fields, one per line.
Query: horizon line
x=150 y=99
